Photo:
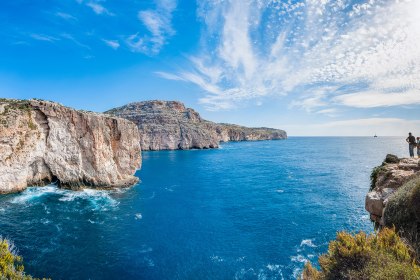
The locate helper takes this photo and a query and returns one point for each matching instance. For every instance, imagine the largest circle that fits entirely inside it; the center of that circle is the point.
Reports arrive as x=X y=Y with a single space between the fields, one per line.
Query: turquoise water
x=250 y=210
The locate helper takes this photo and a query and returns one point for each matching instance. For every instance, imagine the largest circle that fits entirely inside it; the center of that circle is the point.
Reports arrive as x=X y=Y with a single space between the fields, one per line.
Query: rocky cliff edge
x=169 y=125
x=43 y=142
x=394 y=198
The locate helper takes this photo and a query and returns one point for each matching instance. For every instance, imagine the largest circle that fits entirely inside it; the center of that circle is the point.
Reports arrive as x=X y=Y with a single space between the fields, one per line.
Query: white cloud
x=357 y=127
x=158 y=22
x=65 y=16
x=371 y=99
x=258 y=48
x=74 y=40
x=45 y=38
x=112 y=43
x=96 y=7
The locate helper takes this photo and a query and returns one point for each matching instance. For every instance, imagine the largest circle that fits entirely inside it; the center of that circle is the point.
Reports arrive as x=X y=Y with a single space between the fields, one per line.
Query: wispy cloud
x=74 y=40
x=158 y=23
x=45 y=38
x=96 y=6
x=311 y=49
x=65 y=16
x=112 y=43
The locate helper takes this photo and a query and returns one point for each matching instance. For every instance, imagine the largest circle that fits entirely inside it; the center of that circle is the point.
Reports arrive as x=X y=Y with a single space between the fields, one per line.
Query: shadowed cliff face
x=43 y=142
x=169 y=125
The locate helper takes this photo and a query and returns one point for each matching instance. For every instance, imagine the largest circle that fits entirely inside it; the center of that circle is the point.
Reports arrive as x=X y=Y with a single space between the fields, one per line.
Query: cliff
x=169 y=125
x=43 y=142
x=394 y=198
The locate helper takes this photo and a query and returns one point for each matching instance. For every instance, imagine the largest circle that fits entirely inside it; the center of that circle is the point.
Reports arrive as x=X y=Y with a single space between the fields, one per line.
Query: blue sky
x=312 y=67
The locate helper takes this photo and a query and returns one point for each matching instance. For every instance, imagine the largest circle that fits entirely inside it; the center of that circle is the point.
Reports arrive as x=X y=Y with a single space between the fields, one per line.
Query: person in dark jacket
x=411 y=140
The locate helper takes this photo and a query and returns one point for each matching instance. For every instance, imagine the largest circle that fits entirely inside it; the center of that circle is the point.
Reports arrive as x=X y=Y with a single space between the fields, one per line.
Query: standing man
x=411 y=140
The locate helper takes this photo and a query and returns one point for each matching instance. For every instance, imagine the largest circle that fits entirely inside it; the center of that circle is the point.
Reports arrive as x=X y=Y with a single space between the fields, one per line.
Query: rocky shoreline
x=43 y=142
x=169 y=125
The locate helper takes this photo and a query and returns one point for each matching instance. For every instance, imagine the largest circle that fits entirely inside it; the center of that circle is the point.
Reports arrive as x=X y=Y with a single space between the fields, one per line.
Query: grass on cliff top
x=11 y=266
x=365 y=257
x=403 y=212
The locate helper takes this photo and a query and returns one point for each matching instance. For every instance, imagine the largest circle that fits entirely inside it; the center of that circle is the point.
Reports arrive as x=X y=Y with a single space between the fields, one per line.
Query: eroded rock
x=43 y=142
x=169 y=125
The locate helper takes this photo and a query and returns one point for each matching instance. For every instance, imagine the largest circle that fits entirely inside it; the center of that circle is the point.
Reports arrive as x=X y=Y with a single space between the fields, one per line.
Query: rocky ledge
x=169 y=125
x=43 y=142
x=394 y=198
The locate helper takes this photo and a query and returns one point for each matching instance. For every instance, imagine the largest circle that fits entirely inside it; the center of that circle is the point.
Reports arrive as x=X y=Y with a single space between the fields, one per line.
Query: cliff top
x=29 y=104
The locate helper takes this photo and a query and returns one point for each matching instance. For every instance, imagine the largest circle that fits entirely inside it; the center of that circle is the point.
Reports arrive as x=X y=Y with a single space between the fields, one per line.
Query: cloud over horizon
x=323 y=53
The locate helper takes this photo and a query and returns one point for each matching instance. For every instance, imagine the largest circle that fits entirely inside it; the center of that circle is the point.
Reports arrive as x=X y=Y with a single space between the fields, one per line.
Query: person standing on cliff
x=411 y=140
x=418 y=147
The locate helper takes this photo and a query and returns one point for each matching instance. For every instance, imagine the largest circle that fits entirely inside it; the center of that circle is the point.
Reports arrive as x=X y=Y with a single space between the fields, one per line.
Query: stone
x=43 y=142
x=392 y=175
x=169 y=125
x=374 y=203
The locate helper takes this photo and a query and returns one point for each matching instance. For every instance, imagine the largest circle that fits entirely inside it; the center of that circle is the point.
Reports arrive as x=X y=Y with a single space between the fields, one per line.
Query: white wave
x=98 y=199
x=240 y=259
x=149 y=262
x=273 y=267
x=280 y=191
x=217 y=259
x=138 y=216
x=150 y=197
x=307 y=242
x=145 y=249
x=271 y=271
x=365 y=217
x=299 y=258
x=297 y=272
x=45 y=221
x=34 y=193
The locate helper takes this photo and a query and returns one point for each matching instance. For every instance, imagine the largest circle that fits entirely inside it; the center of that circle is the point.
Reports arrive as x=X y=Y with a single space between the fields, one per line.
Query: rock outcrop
x=43 y=142
x=169 y=125
x=394 y=199
x=386 y=180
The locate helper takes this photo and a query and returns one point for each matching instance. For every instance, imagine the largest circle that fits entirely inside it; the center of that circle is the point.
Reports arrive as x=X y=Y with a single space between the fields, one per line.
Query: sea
x=249 y=210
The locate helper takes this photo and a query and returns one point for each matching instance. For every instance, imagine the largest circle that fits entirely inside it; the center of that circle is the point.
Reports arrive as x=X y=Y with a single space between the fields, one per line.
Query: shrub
x=11 y=266
x=365 y=257
x=403 y=212
x=391 y=159
x=375 y=174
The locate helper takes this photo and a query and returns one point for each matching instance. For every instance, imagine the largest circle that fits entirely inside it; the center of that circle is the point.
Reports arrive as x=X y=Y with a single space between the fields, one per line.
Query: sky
x=311 y=67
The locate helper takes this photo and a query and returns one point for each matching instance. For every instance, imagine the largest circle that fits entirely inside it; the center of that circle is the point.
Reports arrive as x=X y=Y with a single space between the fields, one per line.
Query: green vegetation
x=11 y=267
x=366 y=257
x=403 y=212
x=375 y=174
x=381 y=169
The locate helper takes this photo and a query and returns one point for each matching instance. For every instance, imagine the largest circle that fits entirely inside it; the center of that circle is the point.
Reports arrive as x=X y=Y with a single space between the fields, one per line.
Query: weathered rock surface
x=43 y=142
x=386 y=180
x=169 y=125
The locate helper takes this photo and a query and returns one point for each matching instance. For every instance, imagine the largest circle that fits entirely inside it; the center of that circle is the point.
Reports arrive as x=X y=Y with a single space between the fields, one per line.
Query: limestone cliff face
x=43 y=142
x=169 y=125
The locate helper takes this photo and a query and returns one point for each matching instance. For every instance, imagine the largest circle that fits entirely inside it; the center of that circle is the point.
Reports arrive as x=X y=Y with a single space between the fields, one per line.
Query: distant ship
x=375 y=136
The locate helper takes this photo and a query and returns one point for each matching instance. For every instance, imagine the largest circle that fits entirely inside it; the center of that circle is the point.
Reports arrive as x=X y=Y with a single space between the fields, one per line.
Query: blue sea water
x=250 y=210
